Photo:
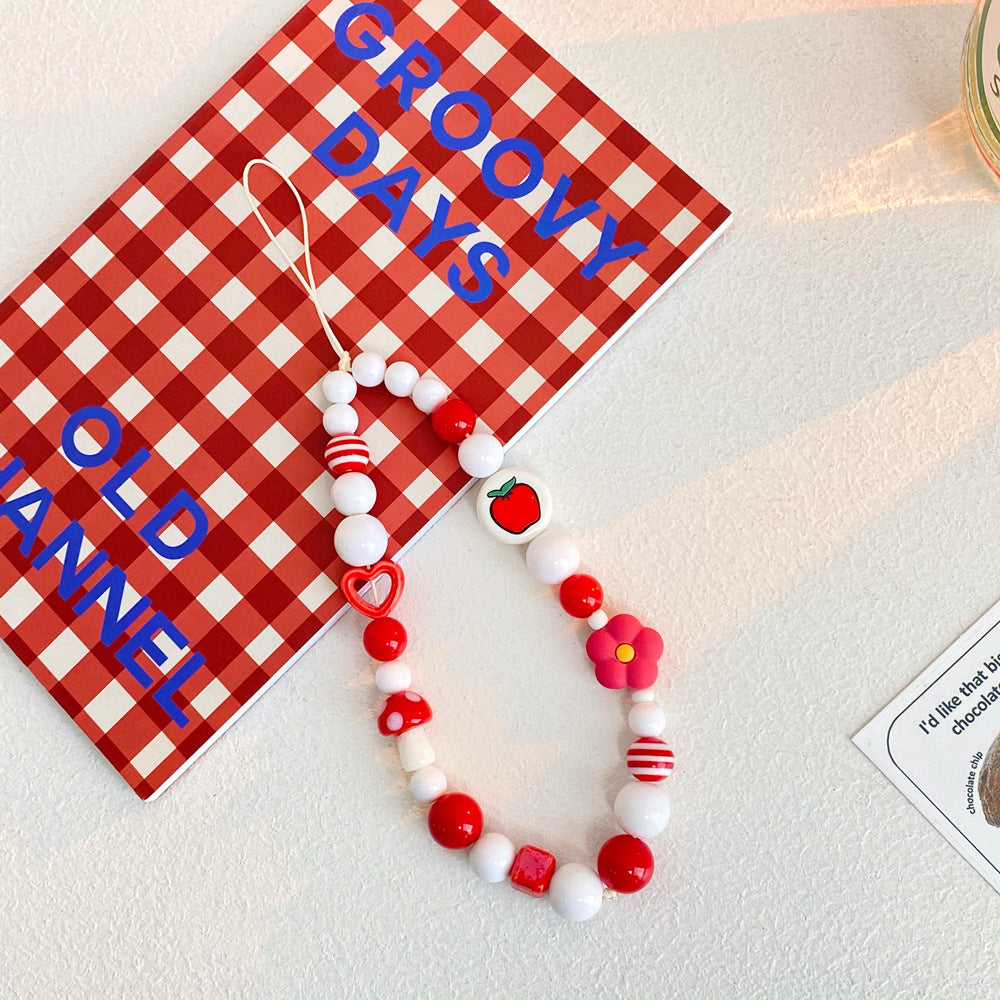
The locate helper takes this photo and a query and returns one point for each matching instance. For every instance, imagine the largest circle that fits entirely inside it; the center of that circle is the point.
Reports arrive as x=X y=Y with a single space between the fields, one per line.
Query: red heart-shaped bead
x=358 y=576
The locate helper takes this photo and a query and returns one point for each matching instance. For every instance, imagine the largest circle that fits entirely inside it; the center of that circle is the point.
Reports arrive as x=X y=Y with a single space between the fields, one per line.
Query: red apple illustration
x=515 y=506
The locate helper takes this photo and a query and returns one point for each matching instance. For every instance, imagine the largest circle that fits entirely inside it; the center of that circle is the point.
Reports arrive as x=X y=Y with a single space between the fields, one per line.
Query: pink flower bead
x=625 y=653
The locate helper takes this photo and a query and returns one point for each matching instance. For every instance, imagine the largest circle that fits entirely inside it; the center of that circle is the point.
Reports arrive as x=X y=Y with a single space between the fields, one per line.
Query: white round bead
x=360 y=540
x=393 y=676
x=339 y=387
x=480 y=455
x=552 y=557
x=400 y=378
x=428 y=783
x=576 y=891
x=429 y=393
x=643 y=694
x=353 y=493
x=514 y=506
x=642 y=809
x=491 y=857
x=368 y=369
x=340 y=418
x=598 y=620
x=646 y=718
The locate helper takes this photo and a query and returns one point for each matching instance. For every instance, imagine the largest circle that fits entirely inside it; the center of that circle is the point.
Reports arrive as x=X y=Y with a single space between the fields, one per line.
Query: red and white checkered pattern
x=166 y=306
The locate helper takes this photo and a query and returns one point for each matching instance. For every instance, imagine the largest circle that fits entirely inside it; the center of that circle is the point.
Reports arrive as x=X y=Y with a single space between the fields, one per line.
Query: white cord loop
x=307 y=281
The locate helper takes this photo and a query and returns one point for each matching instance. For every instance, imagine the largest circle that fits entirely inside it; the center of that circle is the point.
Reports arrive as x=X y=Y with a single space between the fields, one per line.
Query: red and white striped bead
x=347 y=453
x=649 y=759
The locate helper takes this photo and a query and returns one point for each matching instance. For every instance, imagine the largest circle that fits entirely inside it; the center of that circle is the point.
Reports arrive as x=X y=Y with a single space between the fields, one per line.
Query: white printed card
x=938 y=742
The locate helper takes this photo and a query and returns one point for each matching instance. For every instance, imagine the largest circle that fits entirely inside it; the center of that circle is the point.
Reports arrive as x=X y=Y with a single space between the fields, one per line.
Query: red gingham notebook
x=166 y=314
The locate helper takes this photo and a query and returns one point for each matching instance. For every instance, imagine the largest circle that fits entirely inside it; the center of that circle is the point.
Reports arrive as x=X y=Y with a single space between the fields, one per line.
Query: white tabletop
x=790 y=465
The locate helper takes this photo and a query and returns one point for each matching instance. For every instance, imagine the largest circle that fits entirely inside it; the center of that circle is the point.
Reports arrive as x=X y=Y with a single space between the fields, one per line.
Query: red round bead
x=453 y=421
x=625 y=863
x=455 y=820
x=581 y=595
x=385 y=639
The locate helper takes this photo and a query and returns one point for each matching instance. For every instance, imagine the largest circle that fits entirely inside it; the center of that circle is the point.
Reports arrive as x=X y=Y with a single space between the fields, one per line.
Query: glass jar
x=981 y=82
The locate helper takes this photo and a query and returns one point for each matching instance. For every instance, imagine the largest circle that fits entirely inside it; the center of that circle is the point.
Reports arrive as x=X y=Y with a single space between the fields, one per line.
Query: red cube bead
x=453 y=421
x=455 y=820
x=581 y=595
x=532 y=870
x=384 y=639
x=625 y=863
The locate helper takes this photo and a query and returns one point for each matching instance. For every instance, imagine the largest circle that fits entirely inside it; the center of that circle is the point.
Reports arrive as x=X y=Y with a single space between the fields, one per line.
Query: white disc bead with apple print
x=514 y=506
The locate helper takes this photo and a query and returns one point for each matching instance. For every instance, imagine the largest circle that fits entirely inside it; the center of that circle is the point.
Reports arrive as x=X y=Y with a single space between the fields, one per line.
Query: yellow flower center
x=625 y=653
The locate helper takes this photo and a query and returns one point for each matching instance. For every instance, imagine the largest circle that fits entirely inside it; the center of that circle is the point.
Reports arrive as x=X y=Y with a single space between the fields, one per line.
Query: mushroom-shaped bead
x=403 y=716
x=346 y=453
x=401 y=712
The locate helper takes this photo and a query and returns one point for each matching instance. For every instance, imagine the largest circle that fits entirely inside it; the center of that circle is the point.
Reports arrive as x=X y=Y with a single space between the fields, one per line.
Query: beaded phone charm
x=515 y=507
